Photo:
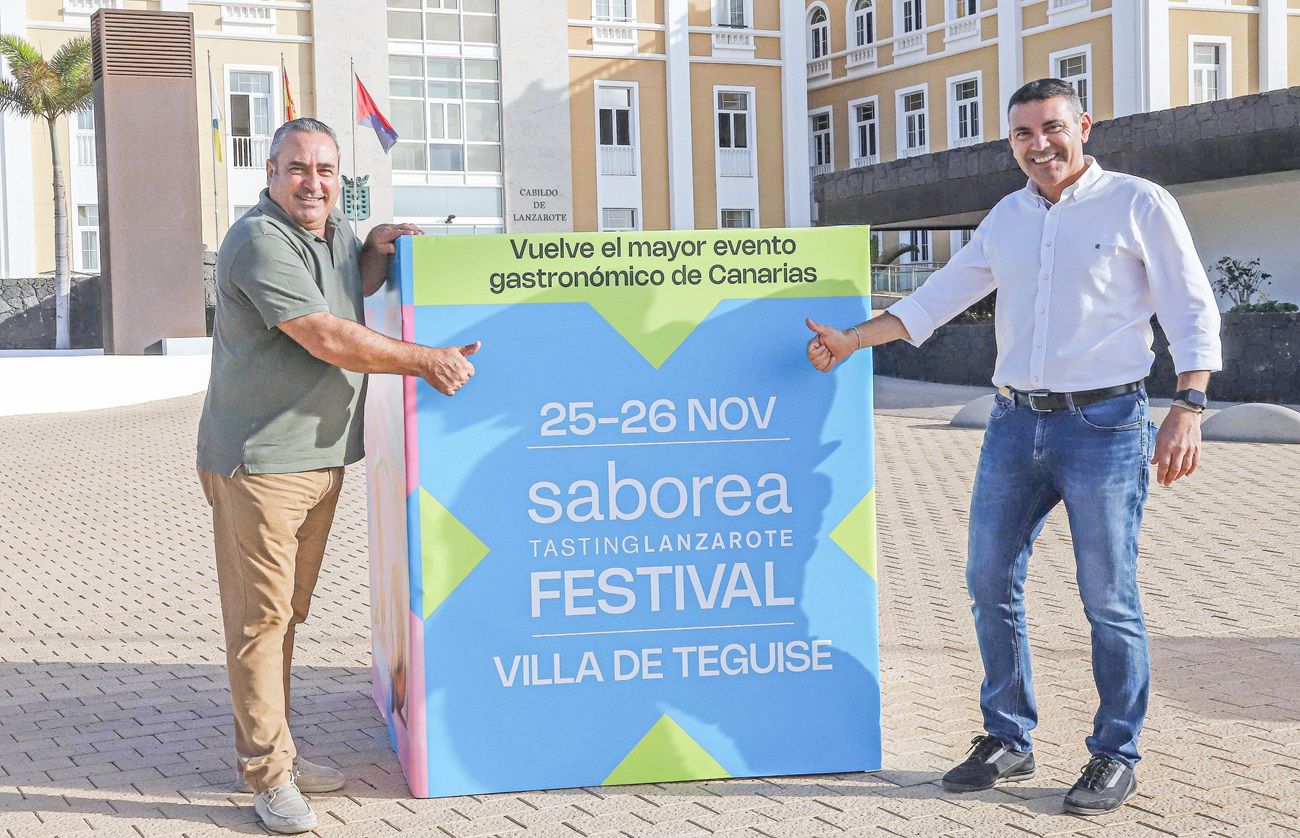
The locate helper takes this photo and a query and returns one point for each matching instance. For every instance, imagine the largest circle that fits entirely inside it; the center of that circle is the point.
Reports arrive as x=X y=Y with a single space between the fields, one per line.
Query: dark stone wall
x=1261 y=358
x=27 y=310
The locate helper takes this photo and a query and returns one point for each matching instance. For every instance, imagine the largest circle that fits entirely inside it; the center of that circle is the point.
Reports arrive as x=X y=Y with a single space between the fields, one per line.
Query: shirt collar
x=271 y=208
x=1092 y=175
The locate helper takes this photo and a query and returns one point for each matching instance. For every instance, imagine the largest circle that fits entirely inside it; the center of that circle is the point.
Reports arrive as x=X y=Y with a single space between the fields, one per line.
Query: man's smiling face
x=303 y=179
x=1047 y=140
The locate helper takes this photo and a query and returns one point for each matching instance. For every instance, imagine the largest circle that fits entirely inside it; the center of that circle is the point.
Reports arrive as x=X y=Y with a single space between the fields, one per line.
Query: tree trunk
x=62 y=275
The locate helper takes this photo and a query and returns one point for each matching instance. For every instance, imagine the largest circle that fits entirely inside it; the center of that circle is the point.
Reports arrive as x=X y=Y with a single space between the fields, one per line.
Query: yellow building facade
x=890 y=79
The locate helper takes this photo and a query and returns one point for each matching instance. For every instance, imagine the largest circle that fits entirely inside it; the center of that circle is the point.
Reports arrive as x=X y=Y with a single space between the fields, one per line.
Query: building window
x=913 y=15
x=921 y=240
x=866 y=133
x=250 y=118
x=1209 y=71
x=732 y=13
x=241 y=210
x=914 y=136
x=88 y=236
x=735 y=154
x=823 y=156
x=453 y=21
x=614 y=220
x=864 y=23
x=83 y=137
x=820 y=30
x=964 y=8
x=447 y=113
x=965 y=111
x=614 y=10
x=1075 y=68
x=615 y=130
x=737 y=218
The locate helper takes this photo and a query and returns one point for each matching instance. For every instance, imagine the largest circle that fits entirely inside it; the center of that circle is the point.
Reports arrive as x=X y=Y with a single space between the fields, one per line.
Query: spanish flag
x=290 y=107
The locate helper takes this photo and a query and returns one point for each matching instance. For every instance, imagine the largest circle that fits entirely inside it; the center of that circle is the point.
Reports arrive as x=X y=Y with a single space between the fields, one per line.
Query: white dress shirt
x=1077 y=283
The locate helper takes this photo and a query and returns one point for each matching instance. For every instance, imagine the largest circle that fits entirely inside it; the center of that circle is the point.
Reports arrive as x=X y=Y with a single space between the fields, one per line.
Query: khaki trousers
x=270 y=532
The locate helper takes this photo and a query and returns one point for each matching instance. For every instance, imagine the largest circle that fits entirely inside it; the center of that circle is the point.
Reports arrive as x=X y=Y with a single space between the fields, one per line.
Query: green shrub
x=1266 y=308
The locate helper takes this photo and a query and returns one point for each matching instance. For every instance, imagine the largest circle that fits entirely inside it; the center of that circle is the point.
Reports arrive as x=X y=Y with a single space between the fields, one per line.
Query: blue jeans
x=1094 y=458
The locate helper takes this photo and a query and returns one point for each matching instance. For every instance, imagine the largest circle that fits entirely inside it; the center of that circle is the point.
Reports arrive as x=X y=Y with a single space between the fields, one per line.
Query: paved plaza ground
x=114 y=715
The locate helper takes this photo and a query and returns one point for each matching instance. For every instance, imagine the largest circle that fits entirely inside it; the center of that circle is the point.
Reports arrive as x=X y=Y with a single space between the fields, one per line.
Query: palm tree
x=49 y=90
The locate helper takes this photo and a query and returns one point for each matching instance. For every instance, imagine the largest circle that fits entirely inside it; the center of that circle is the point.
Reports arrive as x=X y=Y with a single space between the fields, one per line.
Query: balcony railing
x=818 y=68
x=911 y=42
x=613 y=34
x=1062 y=5
x=965 y=27
x=85 y=144
x=735 y=162
x=869 y=160
x=735 y=39
x=901 y=279
x=617 y=160
x=84 y=8
x=822 y=169
x=862 y=56
x=249 y=152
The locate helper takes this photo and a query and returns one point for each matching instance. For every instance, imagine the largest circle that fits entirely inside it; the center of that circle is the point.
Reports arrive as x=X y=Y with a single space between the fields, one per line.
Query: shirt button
x=1049 y=244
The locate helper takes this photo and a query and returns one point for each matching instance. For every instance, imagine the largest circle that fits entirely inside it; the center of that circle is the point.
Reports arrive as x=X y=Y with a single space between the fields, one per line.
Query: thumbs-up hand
x=828 y=345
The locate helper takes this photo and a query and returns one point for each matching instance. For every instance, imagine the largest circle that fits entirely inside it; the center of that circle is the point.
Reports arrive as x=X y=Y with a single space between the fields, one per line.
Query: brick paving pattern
x=113 y=700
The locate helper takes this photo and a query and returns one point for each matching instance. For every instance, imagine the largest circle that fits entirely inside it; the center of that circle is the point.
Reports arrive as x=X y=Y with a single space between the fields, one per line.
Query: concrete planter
x=1261 y=358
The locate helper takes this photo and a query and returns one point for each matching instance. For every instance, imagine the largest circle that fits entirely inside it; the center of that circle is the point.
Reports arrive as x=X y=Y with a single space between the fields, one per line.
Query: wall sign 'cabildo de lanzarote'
x=639 y=546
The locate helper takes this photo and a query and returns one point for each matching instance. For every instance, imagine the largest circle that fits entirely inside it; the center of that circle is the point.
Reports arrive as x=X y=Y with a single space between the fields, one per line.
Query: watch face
x=1196 y=397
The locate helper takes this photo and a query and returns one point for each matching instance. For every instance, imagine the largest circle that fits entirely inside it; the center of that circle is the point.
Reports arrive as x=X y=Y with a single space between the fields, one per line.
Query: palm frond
x=12 y=101
x=72 y=60
x=19 y=52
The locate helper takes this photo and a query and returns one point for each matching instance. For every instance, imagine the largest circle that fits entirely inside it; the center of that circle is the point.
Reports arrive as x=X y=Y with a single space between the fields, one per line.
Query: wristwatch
x=1193 y=400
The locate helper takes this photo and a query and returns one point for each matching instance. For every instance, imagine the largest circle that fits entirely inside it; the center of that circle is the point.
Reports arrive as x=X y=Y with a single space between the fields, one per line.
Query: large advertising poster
x=639 y=545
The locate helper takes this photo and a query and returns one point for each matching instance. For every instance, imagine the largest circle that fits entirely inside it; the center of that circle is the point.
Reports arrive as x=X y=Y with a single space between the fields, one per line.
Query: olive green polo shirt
x=271 y=406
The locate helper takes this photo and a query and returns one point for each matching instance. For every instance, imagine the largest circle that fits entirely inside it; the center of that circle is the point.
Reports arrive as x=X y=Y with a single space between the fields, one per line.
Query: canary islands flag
x=216 y=115
x=368 y=114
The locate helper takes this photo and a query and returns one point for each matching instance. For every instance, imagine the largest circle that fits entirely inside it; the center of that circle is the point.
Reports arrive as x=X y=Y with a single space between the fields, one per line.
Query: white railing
x=911 y=42
x=822 y=169
x=85 y=7
x=252 y=18
x=249 y=152
x=869 y=160
x=739 y=39
x=964 y=28
x=617 y=160
x=85 y=149
x=860 y=56
x=614 y=34
x=1062 y=5
x=735 y=162
x=901 y=279
x=820 y=67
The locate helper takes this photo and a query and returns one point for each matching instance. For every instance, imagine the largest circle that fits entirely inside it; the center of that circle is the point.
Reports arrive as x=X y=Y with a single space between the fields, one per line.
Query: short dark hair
x=1041 y=89
x=301 y=125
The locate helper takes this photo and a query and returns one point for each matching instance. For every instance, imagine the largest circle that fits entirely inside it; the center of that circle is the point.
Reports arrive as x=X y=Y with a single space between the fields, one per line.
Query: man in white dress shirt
x=1081 y=258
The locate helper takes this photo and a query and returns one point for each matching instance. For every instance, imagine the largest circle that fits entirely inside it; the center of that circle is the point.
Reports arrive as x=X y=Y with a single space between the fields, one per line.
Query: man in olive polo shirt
x=283 y=415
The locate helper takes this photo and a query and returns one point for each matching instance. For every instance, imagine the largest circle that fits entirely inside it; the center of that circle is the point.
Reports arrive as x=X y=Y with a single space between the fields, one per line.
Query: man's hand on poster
x=448 y=368
x=1178 y=446
x=382 y=236
x=829 y=345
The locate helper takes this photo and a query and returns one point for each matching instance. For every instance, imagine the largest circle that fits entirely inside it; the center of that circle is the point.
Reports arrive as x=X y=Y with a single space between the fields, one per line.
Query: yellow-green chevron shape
x=448 y=552
x=665 y=754
x=856 y=534
x=655 y=320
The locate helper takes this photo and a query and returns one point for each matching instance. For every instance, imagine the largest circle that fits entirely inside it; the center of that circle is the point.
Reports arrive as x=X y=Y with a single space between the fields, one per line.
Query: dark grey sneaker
x=990 y=762
x=1104 y=787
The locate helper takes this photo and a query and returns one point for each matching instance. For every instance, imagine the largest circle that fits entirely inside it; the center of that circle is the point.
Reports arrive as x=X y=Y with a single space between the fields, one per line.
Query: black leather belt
x=1043 y=400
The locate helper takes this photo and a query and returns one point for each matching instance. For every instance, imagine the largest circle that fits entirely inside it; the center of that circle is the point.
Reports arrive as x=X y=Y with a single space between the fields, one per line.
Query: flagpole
x=352 y=67
x=216 y=211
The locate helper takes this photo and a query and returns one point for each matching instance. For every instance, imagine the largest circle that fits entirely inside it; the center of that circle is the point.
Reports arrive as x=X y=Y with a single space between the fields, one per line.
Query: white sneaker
x=310 y=777
x=283 y=809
